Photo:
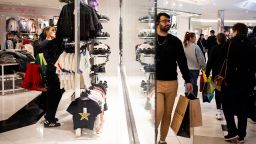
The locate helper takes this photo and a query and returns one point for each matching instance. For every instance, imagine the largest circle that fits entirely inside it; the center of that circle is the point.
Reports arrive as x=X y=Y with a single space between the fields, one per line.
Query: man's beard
x=165 y=29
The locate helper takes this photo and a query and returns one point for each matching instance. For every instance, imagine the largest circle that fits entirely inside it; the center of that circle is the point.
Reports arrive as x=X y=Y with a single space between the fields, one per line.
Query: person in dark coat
x=211 y=42
x=252 y=109
x=201 y=42
x=214 y=64
x=237 y=83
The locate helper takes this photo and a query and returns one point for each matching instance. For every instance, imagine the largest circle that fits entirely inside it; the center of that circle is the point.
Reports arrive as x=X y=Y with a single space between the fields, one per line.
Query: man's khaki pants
x=166 y=93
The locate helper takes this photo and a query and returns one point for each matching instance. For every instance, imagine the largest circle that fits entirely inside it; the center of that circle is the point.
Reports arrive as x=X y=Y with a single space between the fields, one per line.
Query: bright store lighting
x=254 y=1
x=199 y=2
x=226 y=21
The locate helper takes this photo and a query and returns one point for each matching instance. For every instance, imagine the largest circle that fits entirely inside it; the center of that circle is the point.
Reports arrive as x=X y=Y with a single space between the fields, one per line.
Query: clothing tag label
x=85 y=110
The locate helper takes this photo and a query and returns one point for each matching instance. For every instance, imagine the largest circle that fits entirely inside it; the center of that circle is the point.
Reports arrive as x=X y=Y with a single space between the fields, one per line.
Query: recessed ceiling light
x=214 y=3
x=166 y=2
x=174 y=4
x=180 y=5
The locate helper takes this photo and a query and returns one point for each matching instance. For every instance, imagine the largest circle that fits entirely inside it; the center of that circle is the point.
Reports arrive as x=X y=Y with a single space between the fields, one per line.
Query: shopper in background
x=195 y=59
x=214 y=64
x=211 y=42
x=54 y=93
x=169 y=52
x=227 y=34
x=201 y=42
x=238 y=82
x=252 y=109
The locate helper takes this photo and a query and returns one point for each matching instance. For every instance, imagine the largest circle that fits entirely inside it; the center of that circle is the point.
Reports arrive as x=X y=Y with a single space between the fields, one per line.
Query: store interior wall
x=132 y=10
x=110 y=8
x=182 y=26
x=23 y=11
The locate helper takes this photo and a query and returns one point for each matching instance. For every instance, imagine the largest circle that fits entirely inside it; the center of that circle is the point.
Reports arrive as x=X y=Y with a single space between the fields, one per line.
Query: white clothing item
x=71 y=58
x=100 y=60
x=149 y=59
x=145 y=46
x=97 y=96
x=67 y=63
x=103 y=46
x=29 y=48
x=18 y=46
x=190 y=52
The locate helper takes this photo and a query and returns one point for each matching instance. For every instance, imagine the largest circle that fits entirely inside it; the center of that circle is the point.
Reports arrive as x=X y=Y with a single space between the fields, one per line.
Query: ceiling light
x=180 y=5
x=254 y=1
x=198 y=2
x=174 y=4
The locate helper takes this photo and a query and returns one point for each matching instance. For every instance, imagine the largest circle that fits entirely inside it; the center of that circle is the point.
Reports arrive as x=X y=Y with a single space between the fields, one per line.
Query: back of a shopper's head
x=212 y=32
x=239 y=29
x=221 y=38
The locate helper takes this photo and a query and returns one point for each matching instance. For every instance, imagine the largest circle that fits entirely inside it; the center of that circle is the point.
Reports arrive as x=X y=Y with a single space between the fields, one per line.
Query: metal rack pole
x=77 y=47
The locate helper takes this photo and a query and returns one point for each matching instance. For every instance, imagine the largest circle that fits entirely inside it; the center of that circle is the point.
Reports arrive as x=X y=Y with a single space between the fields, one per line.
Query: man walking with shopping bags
x=169 y=53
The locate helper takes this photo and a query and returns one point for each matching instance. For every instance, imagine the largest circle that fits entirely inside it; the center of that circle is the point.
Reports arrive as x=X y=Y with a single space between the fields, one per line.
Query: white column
x=77 y=47
x=220 y=21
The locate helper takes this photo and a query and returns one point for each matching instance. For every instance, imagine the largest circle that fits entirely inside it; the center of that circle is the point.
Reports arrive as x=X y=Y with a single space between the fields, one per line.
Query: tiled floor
x=11 y=103
x=114 y=128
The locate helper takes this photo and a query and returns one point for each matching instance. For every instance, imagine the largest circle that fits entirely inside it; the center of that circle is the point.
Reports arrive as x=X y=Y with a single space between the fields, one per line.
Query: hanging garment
x=12 y=25
x=23 y=25
x=82 y=118
x=89 y=23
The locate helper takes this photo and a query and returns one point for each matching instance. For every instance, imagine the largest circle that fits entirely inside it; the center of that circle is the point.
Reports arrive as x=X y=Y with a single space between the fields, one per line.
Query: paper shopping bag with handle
x=179 y=113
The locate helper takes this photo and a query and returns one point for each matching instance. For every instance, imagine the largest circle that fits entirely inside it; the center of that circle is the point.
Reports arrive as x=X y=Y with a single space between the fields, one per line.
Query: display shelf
x=146 y=37
x=103 y=20
x=94 y=55
x=101 y=38
x=147 y=21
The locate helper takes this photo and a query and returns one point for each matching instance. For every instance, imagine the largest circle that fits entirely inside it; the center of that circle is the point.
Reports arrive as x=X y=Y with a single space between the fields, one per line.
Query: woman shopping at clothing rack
x=53 y=95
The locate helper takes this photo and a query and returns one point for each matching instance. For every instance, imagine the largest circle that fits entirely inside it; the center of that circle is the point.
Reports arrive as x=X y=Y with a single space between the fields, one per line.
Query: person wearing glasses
x=169 y=53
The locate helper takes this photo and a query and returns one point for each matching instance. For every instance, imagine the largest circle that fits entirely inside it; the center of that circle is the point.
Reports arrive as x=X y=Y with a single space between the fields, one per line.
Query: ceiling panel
x=208 y=8
x=34 y=3
x=234 y=9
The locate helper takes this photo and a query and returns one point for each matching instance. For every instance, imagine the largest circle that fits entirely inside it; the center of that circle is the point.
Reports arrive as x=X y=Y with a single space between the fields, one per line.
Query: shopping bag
x=43 y=66
x=203 y=80
x=179 y=113
x=32 y=79
x=195 y=113
x=187 y=114
x=184 y=130
x=201 y=83
x=208 y=91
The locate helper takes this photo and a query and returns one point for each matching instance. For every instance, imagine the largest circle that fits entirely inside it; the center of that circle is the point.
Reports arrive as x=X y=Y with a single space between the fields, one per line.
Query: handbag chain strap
x=225 y=62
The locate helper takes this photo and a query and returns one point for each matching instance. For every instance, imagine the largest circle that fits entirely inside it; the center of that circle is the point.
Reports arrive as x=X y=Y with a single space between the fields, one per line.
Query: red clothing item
x=26 y=41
